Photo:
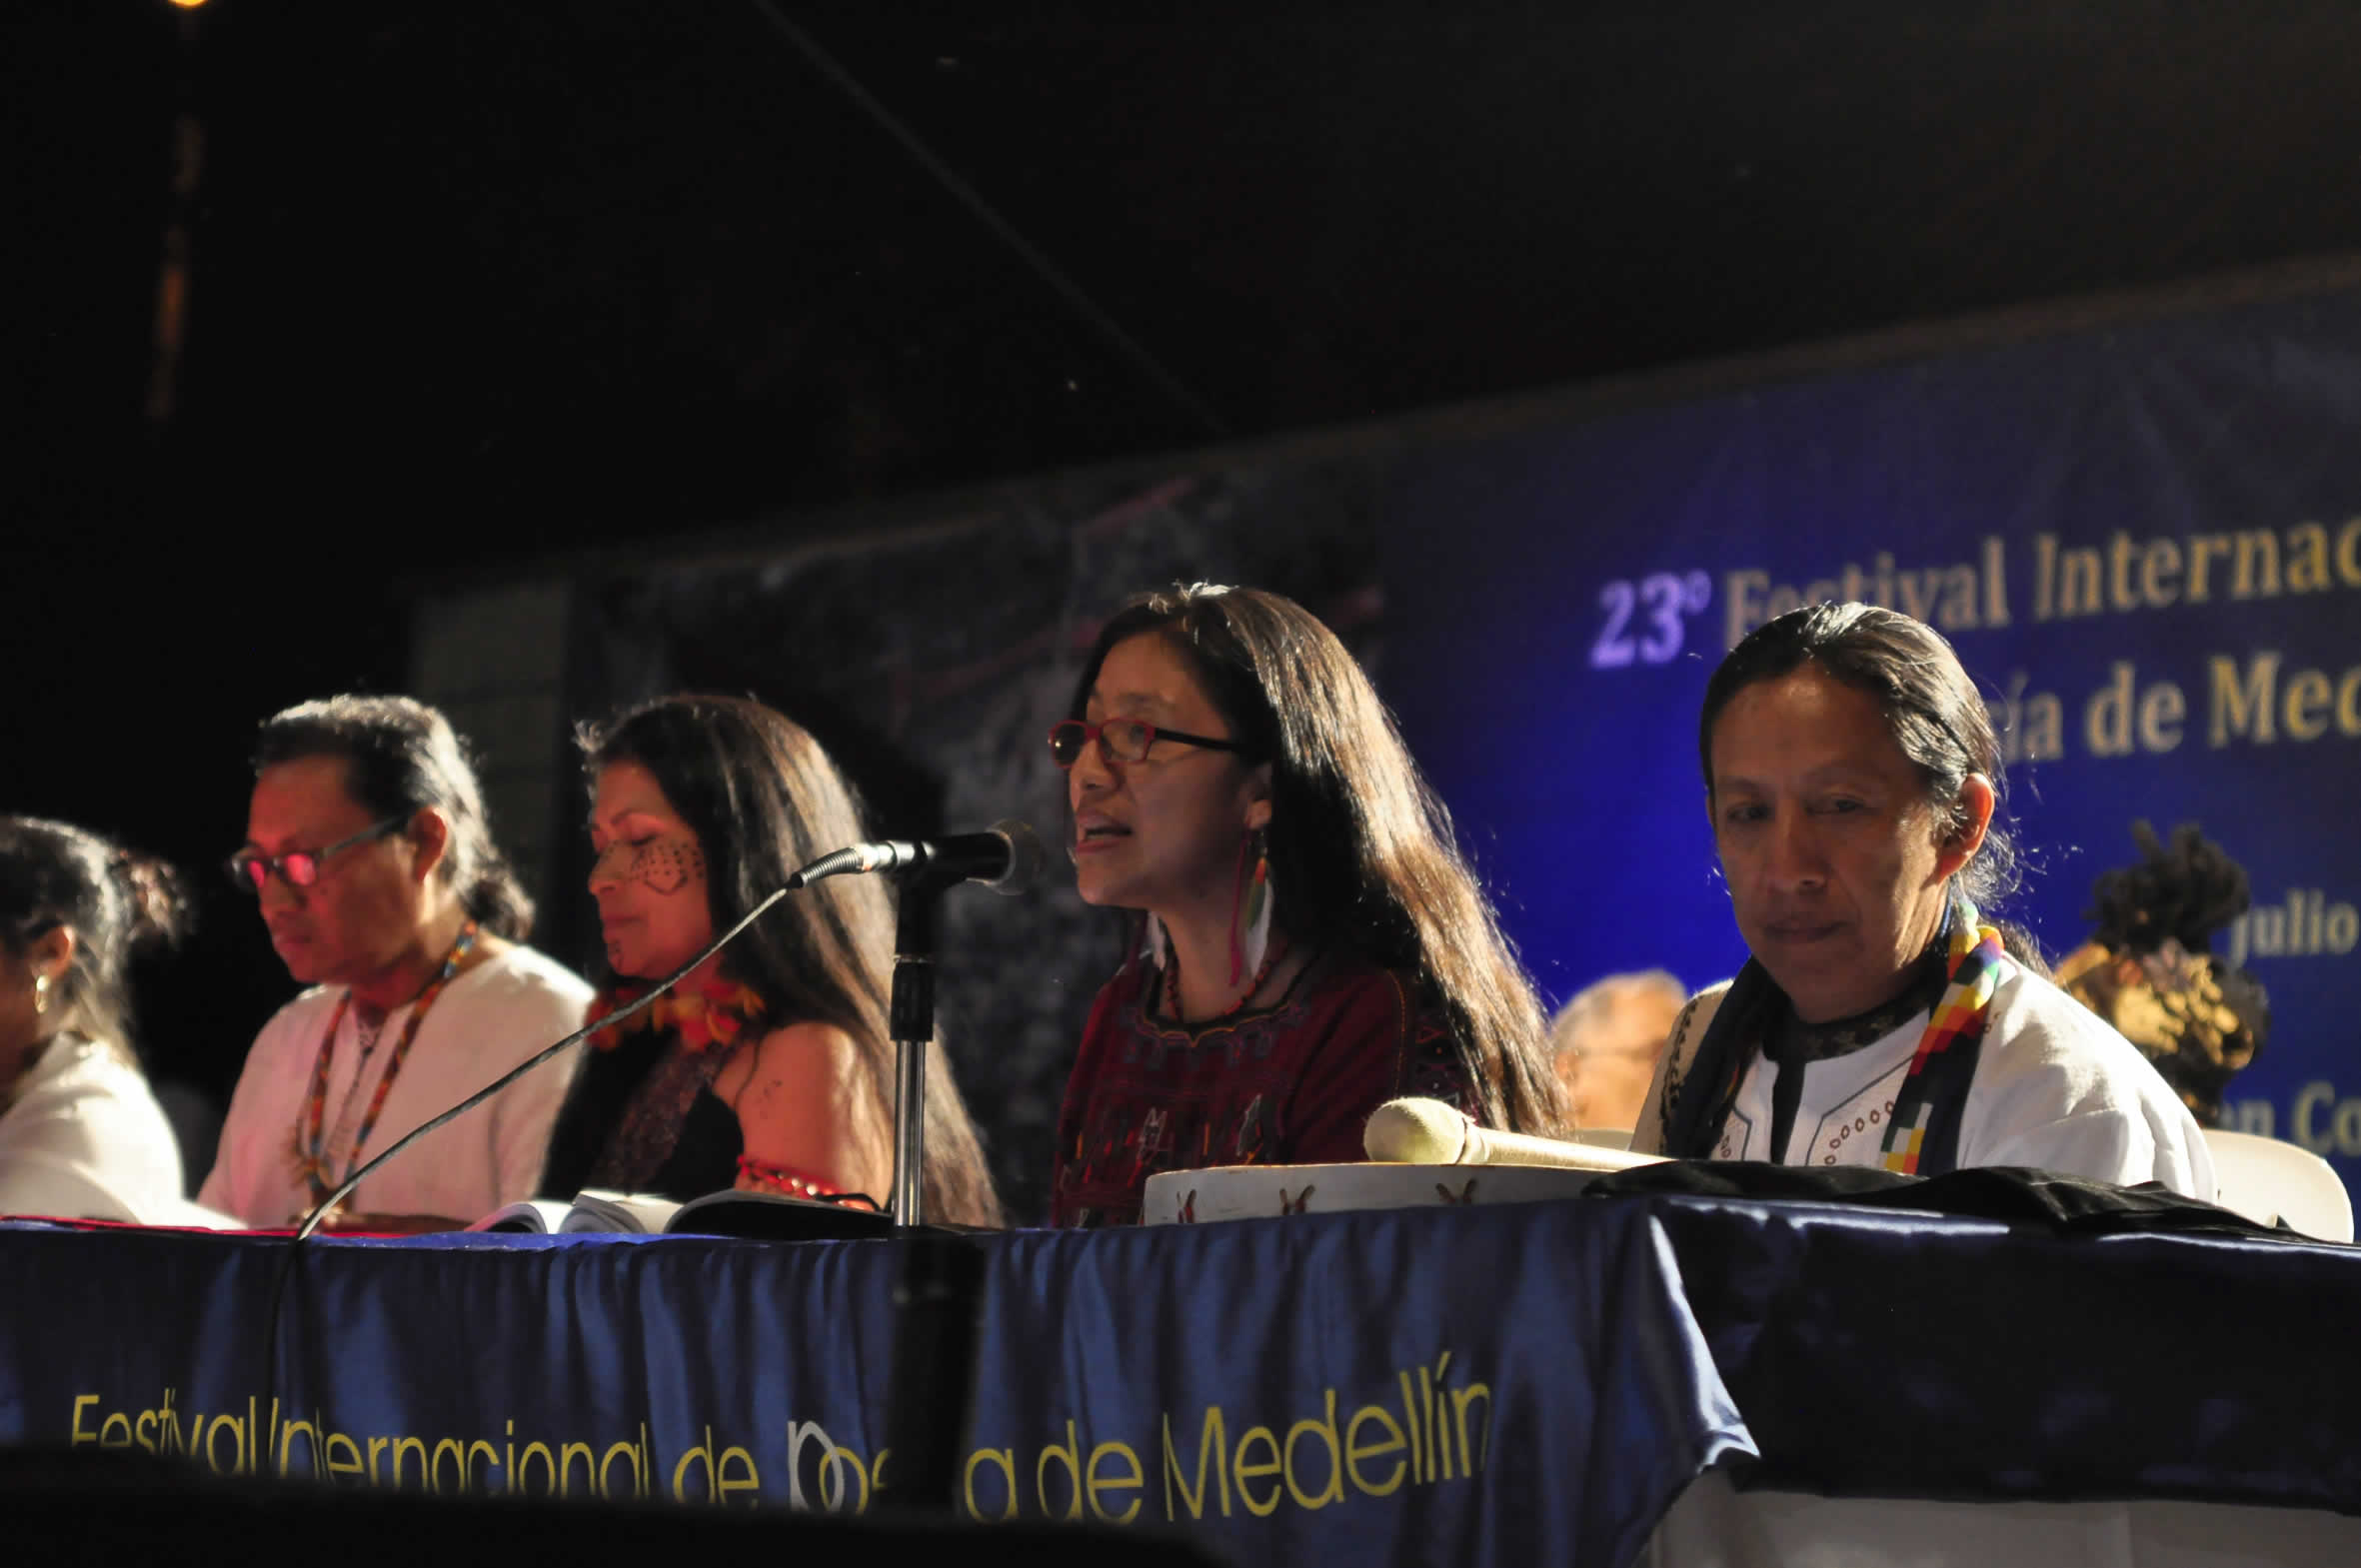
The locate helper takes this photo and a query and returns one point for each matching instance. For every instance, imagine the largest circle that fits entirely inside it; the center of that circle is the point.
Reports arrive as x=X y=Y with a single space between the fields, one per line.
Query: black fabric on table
x=2094 y=1343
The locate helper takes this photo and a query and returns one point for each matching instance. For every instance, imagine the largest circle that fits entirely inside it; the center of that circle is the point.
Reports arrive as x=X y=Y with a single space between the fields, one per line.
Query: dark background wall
x=548 y=289
x=617 y=264
x=930 y=663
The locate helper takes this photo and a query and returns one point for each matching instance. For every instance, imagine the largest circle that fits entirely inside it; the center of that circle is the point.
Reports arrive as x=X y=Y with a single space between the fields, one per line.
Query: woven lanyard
x=1924 y=1127
x=313 y=1155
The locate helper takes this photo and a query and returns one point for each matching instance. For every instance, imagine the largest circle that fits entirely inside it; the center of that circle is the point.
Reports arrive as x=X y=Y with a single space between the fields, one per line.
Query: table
x=1504 y=1384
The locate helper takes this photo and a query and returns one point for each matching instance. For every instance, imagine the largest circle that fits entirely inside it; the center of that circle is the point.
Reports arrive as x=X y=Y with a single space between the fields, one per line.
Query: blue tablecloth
x=1507 y=1384
x=1502 y=1384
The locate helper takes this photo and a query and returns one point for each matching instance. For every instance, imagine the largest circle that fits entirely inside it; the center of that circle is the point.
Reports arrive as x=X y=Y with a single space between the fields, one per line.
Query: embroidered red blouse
x=1289 y=1087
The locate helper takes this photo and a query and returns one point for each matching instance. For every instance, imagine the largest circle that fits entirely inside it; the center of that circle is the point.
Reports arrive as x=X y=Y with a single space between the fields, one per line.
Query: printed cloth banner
x=2145 y=543
x=1492 y=1385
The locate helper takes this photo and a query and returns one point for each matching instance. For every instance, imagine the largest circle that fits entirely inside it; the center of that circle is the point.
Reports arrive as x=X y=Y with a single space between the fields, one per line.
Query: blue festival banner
x=1488 y=1385
x=2145 y=543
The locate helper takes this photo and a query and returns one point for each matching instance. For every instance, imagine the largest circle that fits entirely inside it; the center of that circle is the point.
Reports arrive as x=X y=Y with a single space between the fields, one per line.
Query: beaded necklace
x=716 y=1012
x=1279 y=951
x=311 y=1144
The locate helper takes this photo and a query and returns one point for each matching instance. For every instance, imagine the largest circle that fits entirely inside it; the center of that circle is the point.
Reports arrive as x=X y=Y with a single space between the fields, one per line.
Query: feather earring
x=1250 y=909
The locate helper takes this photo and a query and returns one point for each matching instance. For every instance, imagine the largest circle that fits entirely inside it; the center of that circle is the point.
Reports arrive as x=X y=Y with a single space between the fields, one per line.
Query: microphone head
x=1026 y=858
x=1416 y=1132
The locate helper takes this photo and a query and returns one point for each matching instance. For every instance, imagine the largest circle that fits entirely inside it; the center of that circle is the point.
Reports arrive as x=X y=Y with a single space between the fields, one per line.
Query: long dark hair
x=763 y=800
x=1361 y=852
x=402 y=756
x=116 y=902
x=1932 y=708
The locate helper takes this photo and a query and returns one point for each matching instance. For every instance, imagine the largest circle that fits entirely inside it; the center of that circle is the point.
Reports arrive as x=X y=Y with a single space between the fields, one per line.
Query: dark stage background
x=518 y=344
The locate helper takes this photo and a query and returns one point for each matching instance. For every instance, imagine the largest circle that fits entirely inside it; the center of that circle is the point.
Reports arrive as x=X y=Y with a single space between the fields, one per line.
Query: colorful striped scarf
x=1945 y=1062
x=1923 y=1137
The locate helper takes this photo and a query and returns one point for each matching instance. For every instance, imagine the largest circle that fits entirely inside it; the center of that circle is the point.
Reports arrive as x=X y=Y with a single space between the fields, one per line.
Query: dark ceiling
x=597 y=270
x=473 y=283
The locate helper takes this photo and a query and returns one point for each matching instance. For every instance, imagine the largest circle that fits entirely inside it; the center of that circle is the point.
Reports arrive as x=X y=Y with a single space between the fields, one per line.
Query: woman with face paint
x=769 y=1068
x=1852 y=777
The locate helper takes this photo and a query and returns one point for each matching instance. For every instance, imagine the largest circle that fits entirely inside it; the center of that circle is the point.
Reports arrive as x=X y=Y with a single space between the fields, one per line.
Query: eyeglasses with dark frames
x=1121 y=739
x=251 y=868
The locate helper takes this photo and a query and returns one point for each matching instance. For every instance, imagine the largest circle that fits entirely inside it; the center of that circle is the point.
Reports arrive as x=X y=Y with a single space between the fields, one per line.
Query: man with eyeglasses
x=372 y=865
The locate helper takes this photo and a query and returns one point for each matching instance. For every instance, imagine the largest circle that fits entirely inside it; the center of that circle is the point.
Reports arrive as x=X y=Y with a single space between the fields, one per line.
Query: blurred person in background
x=1605 y=1043
x=81 y=1134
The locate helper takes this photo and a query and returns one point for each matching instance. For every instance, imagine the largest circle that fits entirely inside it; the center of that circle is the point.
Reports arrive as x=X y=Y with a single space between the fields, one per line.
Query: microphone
x=1435 y=1132
x=549 y=1052
x=1006 y=857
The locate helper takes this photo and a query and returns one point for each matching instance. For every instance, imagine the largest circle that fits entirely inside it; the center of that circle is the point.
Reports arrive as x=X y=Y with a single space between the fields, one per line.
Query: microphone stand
x=909 y=1018
x=938 y=1304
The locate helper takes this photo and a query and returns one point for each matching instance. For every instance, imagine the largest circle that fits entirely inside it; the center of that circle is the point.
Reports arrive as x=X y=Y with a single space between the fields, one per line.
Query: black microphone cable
x=312 y=1221
x=1025 y=858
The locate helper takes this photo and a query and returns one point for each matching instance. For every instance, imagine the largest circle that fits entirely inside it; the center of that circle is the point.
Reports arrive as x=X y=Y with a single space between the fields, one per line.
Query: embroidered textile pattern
x=1701 y=1084
x=1431 y=1068
x=1802 y=1042
x=1288 y=1085
x=1171 y=967
x=1676 y=1058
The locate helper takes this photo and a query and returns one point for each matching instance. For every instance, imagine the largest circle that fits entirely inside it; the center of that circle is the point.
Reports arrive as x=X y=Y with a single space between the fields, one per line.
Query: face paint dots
x=662 y=865
x=666 y=865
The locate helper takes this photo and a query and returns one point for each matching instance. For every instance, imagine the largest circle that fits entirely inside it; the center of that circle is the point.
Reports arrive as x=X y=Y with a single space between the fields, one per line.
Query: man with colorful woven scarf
x=1853 y=779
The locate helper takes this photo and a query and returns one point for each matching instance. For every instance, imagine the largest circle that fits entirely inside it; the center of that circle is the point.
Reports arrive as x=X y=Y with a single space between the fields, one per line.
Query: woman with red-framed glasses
x=1310 y=943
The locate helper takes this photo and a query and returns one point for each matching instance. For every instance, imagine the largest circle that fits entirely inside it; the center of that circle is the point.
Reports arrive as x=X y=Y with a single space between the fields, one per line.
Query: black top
x=704 y=1149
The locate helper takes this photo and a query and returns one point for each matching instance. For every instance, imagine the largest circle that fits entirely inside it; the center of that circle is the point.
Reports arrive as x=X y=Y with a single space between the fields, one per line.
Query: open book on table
x=758 y=1216
x=592 y=1210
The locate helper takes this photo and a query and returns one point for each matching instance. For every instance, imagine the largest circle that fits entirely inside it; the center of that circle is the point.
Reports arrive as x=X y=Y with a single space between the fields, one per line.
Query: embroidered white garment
x=485 y=1022
x=2055 y=1088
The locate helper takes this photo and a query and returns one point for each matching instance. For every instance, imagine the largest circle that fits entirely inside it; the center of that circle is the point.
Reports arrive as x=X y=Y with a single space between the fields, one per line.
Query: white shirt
x=2056 y=1088
x=87 y=1141
x=485 y=1022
